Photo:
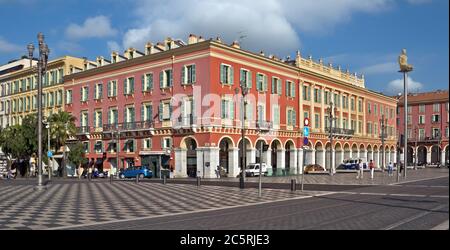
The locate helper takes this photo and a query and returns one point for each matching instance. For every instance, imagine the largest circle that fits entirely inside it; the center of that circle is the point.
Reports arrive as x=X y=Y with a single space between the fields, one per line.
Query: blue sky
x=364 y=36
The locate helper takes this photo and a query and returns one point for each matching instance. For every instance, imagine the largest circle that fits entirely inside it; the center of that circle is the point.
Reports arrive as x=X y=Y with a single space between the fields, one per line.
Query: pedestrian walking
x=360 y=169
x=89 y=172
x=390 y=169
x=372 y=169
x=80 y=171
x=218 y=172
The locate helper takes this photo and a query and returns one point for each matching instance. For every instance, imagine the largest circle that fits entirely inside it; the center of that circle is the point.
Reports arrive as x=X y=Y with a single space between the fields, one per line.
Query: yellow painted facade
x=21 y=89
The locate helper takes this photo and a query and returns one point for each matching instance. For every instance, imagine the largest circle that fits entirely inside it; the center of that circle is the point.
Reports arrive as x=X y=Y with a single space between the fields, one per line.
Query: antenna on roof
x=242 y=36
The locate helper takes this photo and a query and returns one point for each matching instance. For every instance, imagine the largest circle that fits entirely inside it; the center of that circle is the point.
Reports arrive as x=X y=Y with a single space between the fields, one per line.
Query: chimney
x=100 y=61
x=148 y=48
x=218 y=40
x=201 y=39
x=192 y=39
x=261 y=53
x=236 y=45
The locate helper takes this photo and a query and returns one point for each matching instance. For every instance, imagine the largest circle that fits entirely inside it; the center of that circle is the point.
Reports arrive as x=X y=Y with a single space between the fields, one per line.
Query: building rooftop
x=426 y=97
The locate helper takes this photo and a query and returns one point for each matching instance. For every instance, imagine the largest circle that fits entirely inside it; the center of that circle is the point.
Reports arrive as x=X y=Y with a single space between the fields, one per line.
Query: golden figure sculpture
x=403 y=62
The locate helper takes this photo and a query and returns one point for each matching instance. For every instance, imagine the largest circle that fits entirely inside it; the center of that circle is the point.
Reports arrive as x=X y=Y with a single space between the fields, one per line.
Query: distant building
x=428 y=122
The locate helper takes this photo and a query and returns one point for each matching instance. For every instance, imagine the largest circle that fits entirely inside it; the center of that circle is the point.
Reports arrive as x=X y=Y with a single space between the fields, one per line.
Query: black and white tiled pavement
x=76 y=204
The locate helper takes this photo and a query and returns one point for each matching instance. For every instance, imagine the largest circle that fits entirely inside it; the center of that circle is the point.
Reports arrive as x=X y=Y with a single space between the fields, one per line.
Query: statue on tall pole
x=403 y=62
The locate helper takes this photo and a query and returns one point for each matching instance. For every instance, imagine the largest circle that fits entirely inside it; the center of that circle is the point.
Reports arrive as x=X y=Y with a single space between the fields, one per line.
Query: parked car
x=314 y=168
x=132 y=172
x=253 y=169
x=351 y=164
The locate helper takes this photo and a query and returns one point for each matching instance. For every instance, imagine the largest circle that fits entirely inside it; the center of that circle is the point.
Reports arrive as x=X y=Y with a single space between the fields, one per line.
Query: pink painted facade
x=204 y=128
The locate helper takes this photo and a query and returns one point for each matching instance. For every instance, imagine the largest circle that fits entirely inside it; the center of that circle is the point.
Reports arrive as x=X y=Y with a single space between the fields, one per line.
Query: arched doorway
x=355 y=153
x=339 y=154
x=289 y=157
x=191 y=157
x=421 y=156
x=435 y=154
x=275 y=147
x=225 y=146
x=393 y=155
x=319 y=156
x=309 y=154
x=369 y=155
x=328 y=161
x=376 y=156
x=248 y=158
x=347 y=151
x=410 y=156
x=362 y=153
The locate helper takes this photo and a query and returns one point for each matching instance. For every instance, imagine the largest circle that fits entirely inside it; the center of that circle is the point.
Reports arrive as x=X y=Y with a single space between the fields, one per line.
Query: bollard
x=199 y=180
x=293 y=185
x=164 y=179
x=137 y=179
x=110 y=179
x=241 y=182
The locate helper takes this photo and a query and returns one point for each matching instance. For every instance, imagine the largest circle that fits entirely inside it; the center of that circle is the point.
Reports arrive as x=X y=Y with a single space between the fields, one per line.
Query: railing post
x=293 y=185
x=137 y=179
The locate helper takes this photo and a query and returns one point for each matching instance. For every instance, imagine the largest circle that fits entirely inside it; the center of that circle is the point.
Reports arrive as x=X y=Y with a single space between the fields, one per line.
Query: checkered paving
x=79 y=203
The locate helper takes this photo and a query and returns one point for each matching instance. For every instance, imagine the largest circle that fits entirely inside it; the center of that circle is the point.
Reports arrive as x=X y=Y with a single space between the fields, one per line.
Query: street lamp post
x=405 y=68
x=415 y=148
x=64 y=154
x=383 y=122
x=244 y=90
x=50 y=159
x=41 y=68
x=331 y=110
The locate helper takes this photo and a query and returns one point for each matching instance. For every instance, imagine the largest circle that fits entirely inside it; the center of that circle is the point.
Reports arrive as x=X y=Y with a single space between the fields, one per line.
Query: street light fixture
x=244 y=90
x=41 y=68
x=383 y=122
x=331 y=110
x=405 y=68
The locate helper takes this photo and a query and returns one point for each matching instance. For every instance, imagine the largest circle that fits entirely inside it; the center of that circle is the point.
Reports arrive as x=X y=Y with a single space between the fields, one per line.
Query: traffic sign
x=306 y=122
x=306 y=131
x=50 y=153
x=305 y=141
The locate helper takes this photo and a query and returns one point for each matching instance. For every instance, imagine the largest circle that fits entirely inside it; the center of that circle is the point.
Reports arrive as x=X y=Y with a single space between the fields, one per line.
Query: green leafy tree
x=76 y=154
x=58 y=131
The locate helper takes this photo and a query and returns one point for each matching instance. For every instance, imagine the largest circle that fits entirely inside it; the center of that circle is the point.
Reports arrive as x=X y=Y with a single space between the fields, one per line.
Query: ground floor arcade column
x=180 y=163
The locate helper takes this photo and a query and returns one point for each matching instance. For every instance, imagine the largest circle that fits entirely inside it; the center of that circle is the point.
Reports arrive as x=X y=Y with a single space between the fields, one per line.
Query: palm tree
x=62 y=126
x=58 y=131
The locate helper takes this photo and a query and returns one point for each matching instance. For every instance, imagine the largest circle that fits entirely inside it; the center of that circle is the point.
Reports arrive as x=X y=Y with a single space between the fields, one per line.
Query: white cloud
x=94 y=27
x=8 y=47
x=271 y=25
x=113 y=46
x=381 y=68
x=396 y=86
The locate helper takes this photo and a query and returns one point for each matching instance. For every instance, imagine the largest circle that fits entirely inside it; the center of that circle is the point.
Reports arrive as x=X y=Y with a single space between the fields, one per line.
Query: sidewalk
x=380 y=178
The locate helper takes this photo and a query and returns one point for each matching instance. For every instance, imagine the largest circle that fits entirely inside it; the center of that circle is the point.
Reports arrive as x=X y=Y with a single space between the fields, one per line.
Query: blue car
x=351 y=164
x=132 y=172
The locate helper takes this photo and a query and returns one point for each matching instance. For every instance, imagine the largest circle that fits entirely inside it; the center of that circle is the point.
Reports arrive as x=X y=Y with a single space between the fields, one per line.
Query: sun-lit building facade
x=178 y=106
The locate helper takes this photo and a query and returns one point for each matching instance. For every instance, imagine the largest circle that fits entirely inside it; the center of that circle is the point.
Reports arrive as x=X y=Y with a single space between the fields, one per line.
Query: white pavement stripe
x=184 y=213
x=426 y=179
x=387 y=194
x=415 y=217
x=443 y=226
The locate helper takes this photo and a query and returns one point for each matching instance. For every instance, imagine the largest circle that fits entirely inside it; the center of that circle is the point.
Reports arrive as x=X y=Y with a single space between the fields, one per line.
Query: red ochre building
x=175 y=106
x=427 y=127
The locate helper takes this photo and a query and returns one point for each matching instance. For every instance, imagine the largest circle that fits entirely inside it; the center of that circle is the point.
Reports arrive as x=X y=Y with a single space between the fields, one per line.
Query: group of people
x=360 y=169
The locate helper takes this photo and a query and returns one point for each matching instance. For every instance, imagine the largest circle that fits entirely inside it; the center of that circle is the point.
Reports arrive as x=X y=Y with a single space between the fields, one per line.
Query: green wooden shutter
x=150 y=81
x=293 y=89
x=279 y=88
x=273 y=85
x=171 y=78
x=132 y=85
x=265 y=87
x=125 y=89
x=125 y=111
x=194 y=74
x=223 y=109
x=95 y=119
x=232 y=110
x=242 y=77
x=143 y=89
x=142 y=113
x=170 y=111
x=150 y=113
x=133 y=115
x=250 y=80
x=160 y=111
x=81 y=94
x=109 y=88
x=222 y=73
x=183 y=75
x=294 y=118
x=161 y=79
x=101 y=91
x=231 y=75
x=258 y=82
x=287 y=88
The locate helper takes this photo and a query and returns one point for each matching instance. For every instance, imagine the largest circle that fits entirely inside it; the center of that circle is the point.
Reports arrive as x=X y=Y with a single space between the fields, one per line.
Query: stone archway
x=447 y=156
x=355 y=152
x=410 y=156
x=191 y=156
x=277 y=162
x=376 y=156
x=362 y=153
x=290 y=157
x=339 y=154
x=226 y=155
x=319 y=154
x=369 y=155
x=421 y=156
x=435 y=155
x=347 y=152
x=249 y=153
x=393 y=155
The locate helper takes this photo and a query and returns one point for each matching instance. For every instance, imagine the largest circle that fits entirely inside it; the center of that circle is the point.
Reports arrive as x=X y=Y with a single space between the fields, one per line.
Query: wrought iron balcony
x=429 y=139
x=83 y=130
x=128 y=126
x=185 y=120
x=264 y=125
x=341 y=131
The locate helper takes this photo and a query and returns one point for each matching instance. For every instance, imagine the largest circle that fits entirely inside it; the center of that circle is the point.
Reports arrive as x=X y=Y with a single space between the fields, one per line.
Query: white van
x=253 y=169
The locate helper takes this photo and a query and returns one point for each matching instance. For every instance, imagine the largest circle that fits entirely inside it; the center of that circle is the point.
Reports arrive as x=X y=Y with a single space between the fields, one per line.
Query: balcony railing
x=341 y=131
x=264 y=125
x=428 y=139
x=185 y=120
x=83 y=130
x=128 y=126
